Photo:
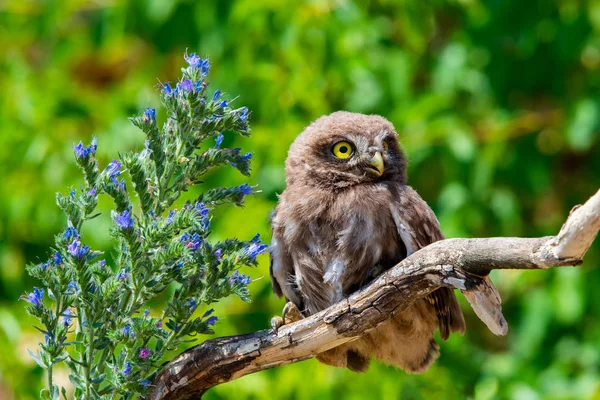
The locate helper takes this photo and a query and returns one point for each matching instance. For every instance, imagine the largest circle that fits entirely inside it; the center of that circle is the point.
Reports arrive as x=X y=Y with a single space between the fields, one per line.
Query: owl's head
x=346 y=149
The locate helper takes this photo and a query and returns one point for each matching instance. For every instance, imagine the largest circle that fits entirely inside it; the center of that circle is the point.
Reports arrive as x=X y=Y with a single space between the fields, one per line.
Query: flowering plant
x=93 y=316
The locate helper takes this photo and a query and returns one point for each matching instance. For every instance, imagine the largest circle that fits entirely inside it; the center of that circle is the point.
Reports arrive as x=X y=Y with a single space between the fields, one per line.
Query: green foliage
x=497 y=107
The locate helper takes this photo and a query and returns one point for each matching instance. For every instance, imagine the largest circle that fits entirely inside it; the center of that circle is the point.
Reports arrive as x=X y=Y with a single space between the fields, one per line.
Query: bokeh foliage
x=497 y=104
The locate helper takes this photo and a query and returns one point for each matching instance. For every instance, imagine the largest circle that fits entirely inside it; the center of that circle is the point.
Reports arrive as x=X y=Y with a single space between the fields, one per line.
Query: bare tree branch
x=458 y=263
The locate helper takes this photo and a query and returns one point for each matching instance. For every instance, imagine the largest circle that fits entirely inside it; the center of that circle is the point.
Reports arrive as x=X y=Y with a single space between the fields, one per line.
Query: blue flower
x=193 y=60
x=206 y=314
x=202 y=209
x=216 y=95
x=245 y=189
x=72 y=287
x=77 y=250
x=212 y=321
x=186 y=85
x=218 y=141
x=127 y=368
x=66 y=319
x=150 y=113
x=243 y=114
x=124 y=220
x=185 y=237
x=123 y=275
x=192 y=304
x=218 y=253
x=35 y=297
x=71 y=233
x=145 y=382
x=57 y=259
x=236 y=277
x=113 y=169
x=44 y=266
x=170 y=217
x=92 y=192
x=167 y=89
x=102 y=263
x=255 y=249
x=246 y=156
x=256 y=238
x=72 y=193
x=127 y=330
x=146 y=313
x=198 y=88
x=195 y=242
x=223 y=104
x=83 y=152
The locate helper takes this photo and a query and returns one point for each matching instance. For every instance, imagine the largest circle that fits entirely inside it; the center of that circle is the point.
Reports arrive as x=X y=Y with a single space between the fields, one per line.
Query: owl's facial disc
x=376 y=165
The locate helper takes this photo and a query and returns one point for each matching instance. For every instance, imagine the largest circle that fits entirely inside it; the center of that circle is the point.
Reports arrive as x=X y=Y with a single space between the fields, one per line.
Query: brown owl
x=345 y=216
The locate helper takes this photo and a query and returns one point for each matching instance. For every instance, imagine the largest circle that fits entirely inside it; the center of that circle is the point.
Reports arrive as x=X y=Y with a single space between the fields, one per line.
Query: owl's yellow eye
x=386 y=146
x=342 y=150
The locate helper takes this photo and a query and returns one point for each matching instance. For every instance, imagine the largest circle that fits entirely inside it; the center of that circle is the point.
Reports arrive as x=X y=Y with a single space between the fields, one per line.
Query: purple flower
x=123 y=275
x=92 y=192
x=186 y=85
x=35 y=297
x=127 y=369
x=102 y=263
x=66 y=319
x=218 y=141
x=255 y=249
x=212 y=321
x=57 y=259
x=245 y=189
x=144 y=353
x=124 y=220
x=193 y=60
x=218 y=253
x=113 y=169
x=217 y=95
x=70 y=233
x=78 y=250
x=167 y=89
x=159 y=324
x=150 y=113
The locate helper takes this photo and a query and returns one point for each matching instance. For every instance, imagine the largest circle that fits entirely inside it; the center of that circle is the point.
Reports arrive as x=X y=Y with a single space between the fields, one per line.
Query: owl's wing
x=282 y=272
x=418 y=227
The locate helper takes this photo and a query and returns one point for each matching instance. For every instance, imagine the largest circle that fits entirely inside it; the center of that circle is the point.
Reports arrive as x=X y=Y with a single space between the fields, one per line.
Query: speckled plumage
x=338 y=224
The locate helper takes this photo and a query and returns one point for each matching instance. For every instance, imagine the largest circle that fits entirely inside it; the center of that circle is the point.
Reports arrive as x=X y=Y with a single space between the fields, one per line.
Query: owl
x=346 y=215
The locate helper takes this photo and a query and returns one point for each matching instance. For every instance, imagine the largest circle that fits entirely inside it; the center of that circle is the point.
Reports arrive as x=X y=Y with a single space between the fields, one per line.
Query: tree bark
x=457 y=263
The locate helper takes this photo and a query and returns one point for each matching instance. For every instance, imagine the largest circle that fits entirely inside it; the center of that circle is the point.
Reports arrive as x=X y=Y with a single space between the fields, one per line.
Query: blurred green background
x=497 y=104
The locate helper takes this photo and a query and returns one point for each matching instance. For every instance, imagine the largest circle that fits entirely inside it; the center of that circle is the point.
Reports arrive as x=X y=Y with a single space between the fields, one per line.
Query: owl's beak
x=376 y=166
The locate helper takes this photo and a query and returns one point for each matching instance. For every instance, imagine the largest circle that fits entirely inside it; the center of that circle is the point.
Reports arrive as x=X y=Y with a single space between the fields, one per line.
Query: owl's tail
x=405 y=341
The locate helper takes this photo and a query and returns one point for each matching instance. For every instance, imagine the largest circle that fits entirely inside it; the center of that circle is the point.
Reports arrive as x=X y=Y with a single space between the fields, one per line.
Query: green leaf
x=37 y=358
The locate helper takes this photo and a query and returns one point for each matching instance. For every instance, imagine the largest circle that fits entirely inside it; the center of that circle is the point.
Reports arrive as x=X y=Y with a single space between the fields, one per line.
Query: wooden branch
x=458 y=263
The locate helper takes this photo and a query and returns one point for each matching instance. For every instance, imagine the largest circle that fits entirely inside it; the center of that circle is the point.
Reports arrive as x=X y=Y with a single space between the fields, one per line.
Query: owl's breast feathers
x=326 y=245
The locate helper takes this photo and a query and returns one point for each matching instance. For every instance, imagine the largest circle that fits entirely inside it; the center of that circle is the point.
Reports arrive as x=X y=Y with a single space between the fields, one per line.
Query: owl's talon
x=276 y=323
x=290 y=314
